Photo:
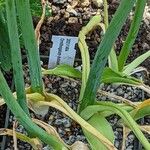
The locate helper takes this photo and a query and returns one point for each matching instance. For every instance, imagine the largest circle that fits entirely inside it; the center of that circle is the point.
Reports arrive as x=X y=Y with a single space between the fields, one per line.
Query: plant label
x=63 y=51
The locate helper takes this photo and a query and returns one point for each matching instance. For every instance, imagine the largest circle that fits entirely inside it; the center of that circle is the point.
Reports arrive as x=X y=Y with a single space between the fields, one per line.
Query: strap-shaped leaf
x=135 y=63
x=140 y=5
x=142 y=110
x=26 y=24
x=5 y=54
x=111 y=76
x=103 y=126
x=16 y=54
x=64 y=71
x=103 y=52
x=24 y=119
x=109 y=106
x=33 y=142
x=82 y=122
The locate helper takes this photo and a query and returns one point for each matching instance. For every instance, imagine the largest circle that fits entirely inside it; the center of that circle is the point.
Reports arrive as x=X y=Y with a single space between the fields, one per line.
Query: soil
x=60 y=24
x=2 y=117
x=70 y=23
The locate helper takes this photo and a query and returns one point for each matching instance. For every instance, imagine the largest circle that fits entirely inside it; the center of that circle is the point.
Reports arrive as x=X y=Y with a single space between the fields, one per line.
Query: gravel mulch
x=68 y=20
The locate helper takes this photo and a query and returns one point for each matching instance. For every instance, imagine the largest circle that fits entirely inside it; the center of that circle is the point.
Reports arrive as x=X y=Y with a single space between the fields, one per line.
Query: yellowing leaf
x=2 y=101
x=141 y=110
x=49 y=129
x=103 y=126
x=81 y=121
x=33 y=141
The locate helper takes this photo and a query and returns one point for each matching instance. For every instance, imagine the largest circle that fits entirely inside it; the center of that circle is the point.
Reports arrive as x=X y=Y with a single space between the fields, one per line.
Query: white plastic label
x=63 y=50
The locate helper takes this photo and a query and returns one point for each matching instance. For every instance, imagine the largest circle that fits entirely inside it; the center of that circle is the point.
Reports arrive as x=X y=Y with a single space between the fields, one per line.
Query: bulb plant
x=91 y=114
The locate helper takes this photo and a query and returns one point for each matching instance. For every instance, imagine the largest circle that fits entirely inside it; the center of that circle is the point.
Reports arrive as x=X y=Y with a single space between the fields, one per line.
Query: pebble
x=120 y=91
x=66 y=15
x=97 y=3
x=129 y=147
x=72 y=139
x=59 y=122
x=59 y=1
x=80 y=138
x=148 y=37
x=85 y=3
x=145 y=46
x=79 y=146
x=117 y=144
x=66 y=122
x=71 y=10
x=47 y=148
x=72 y=20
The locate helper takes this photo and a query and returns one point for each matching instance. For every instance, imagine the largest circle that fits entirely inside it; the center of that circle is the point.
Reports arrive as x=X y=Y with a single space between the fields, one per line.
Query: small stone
x=54 y=9
x=129 y=147
x=58 y=122
x=78 y=145
x=72 y=139
x=148 y=37
x=66 y=122
x=73 y=84
x=51 y=117
x=145 y=46
x=103 y=98
x=66 y=15
x=97 y=3
x=131 y=137
x=126 y=95
x=59 y=1
x=80 y=138
x=61 y=132
x=62 y=11
x=120 y=91
x=116 y=144
x=85 y=3
x=46 y=148
x=73 y=20
x=71 y=10
x=67 y=129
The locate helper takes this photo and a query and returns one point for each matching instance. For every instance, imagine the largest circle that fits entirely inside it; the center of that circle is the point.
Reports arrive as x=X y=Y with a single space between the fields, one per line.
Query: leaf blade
x=63 y=70
x=103 y=52
x=135 y=25
x=103 y=126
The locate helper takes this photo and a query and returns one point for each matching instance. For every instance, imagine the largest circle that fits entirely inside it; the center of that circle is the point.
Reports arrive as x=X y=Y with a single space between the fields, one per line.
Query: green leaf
x=5 y=54
x=25 y=19
x=64 y=71
x=111 y=76
x=138 y=15
x=24 y=119
x=85 y=52
x=130 y=67
x=103 y=52
x=2 y=2
x=145 y=111
x=109 y=106
x=103 y=126
x=112 y=59
x=16 y=54
x=36 y=8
